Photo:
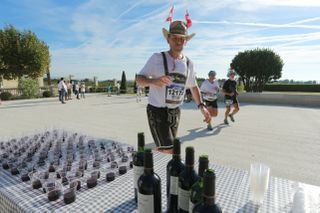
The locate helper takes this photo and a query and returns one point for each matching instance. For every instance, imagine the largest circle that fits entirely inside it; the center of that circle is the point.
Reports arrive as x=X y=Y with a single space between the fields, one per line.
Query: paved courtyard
x=285 y=138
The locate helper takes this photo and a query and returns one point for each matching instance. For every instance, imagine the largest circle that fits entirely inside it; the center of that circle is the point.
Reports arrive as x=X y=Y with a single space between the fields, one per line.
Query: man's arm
x=143 y=81
x=197 y=98
x=224 y=92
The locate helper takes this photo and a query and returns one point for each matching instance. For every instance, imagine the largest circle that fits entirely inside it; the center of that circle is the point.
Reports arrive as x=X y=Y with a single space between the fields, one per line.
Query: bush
x=29 y=87
x=5 y=96
x=240 y=87
x=46 y=94
x=293 y=87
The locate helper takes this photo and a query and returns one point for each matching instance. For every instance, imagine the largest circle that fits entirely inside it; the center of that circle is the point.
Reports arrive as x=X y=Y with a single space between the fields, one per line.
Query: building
x=13 y=84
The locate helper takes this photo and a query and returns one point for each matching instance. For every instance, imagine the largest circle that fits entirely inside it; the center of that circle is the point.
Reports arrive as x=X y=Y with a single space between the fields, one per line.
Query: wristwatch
x=201 y=105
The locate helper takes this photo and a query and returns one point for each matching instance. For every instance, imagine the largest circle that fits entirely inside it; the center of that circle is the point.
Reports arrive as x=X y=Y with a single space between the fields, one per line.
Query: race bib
x=176 y=90
x=228 y=102
x=210 y=97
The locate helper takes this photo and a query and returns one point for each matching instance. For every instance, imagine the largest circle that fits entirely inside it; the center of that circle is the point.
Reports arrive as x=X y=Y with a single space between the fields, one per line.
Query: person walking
x=83 y=90
x=77 y=90
x=69 y=86
x=209 y=89
x=168 y=74
x=109 y=90
x=118 y=88
x=139 y=93
x=62 y=88
x=230 y=93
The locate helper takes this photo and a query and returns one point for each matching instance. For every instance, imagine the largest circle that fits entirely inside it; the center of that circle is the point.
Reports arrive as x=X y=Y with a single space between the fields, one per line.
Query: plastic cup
x=35 y=180
x=69 y=194
x=53 y=190
x=259 y=181
x=24 y=175
x=92 y=181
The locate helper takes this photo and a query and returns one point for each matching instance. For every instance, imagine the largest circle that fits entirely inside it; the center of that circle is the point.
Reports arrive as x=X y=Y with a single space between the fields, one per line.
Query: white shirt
x=154 y=69
x=83 y=88
x=62 y=85
x=208 y=87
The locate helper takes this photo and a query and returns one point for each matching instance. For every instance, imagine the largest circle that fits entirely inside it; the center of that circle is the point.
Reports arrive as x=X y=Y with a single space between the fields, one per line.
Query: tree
x=257 y=67
x=29 y=87
x=22 y=54
x=123 y=85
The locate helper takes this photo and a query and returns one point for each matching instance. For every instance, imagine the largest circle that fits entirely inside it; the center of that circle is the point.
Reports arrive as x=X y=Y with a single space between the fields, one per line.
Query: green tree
x=257 y=67
x=22 y=54
x=29 y=87
x=123 y=85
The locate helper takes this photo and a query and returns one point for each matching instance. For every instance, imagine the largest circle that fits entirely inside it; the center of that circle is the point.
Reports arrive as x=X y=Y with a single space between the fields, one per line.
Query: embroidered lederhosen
x=164 y=121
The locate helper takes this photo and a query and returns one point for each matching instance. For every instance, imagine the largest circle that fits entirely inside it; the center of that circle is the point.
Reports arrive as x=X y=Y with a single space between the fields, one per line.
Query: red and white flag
x=169 y=18
x=188 y=19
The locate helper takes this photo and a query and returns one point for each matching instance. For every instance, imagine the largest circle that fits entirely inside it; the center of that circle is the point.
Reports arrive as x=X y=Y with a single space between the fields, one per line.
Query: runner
x=168 y=74
x=209 y=89
x=229 y=90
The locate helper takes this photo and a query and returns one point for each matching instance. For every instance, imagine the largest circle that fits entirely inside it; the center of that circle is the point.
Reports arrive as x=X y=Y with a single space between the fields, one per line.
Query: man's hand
x=206 y=114
x=162 y=81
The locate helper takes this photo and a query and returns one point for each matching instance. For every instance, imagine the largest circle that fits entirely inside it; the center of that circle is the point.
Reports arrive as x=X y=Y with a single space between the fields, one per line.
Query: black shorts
x=212 y=104
x=233 y=99
x=163 y=123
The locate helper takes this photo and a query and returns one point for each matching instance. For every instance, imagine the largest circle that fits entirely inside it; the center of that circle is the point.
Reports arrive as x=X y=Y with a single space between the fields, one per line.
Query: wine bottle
x=138 y=164
x=174 y=169
x=186 y=179
x=149 y=187
x=208 y=204
x=197 y=188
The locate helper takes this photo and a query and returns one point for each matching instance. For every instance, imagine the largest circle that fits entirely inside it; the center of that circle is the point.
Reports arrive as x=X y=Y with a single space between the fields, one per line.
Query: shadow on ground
x=221 y=105
x=201 y=132
x=196 y=133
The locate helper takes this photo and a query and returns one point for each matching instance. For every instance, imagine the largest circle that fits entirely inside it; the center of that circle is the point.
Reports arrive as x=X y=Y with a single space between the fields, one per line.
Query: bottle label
x=137 y=172
x=174 y=185
x=183 y=199
x=145 y=203
x=190 y=206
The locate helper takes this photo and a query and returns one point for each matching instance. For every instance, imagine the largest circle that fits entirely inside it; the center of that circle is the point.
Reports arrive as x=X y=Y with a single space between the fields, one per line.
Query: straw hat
x=178 y=28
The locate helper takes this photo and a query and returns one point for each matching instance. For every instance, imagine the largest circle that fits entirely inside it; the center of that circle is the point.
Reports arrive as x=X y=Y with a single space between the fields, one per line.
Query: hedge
x=5 y=96
x=293 y=87
x=46 y=94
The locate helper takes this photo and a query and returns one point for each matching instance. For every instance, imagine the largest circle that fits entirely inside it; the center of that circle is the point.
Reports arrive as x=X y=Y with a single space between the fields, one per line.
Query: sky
x=102 y=38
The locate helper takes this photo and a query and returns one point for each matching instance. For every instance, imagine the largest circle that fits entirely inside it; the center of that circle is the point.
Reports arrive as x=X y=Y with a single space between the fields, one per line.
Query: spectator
x=118 y=88
x=139 y=93
x=82 y=89
x=109 y=90
x=69 y=87
x=77 y=90
x=62 y=87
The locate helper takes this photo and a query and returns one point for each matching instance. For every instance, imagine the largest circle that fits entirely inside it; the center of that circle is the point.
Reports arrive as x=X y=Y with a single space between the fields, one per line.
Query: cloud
x=122 y=36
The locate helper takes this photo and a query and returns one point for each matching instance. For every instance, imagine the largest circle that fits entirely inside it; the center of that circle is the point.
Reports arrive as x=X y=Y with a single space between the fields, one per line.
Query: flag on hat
x=169 y=18
x=188 y=19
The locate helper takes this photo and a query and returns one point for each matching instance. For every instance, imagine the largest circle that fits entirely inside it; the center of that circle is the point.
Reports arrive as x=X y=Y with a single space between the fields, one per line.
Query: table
x=118 y=196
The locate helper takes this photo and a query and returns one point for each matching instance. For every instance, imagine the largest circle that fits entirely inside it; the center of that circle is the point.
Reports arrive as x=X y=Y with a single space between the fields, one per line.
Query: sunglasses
x=178 y=38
